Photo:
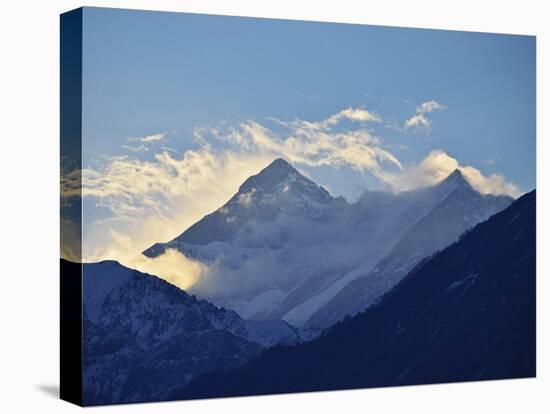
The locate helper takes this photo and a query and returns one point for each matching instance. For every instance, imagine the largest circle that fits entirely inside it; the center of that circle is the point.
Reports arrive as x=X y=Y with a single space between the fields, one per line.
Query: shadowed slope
x=465 y=314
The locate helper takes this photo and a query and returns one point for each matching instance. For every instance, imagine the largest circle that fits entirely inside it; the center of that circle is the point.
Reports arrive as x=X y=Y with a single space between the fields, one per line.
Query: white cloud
x=139 y=148
x=309 y=144
x=360 y=115
x=491 y=184
x=419 y=120
x=246 y=198
x=438 y=165
x=148 y=138
x=357 y=115
x=155 y=200
x=172 y=266
x=429 y=106
x=143 y=142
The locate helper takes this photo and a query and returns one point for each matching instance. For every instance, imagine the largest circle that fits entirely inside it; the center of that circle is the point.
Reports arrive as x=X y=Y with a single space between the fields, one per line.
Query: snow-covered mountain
x=283 y=247
x=143 y=336
x=265 y=241
x=277 y=189
x=460 y=209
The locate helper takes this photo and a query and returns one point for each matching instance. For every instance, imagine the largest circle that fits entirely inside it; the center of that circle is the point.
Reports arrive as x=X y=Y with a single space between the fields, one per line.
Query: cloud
x=172 y=266
x=360 y=115
x=70 y=184
x=327 y=246
x=357 y=115
x=246 y=198
x=125 y=247
x=143 y=142
x=313 y=143
x=148 y=138
x=126 y=185
x=419 y=120
x=139 y=148
x=429 y=106
x=70 y=240
x=154 y=200
x=491 y=184
x=438 y=165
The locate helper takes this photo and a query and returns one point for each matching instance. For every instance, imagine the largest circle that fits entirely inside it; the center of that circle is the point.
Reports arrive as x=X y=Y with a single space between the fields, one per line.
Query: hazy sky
x=178 y=109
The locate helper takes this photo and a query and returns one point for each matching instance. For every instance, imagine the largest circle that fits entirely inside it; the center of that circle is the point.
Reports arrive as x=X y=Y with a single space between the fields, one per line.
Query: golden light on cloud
x=438 y=164
x=171 y=266
x=155 y=201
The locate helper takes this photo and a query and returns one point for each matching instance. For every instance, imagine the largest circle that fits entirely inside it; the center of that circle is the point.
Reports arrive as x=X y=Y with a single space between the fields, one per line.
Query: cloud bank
x=154 y=200
x=438 y=164
x=172 y=266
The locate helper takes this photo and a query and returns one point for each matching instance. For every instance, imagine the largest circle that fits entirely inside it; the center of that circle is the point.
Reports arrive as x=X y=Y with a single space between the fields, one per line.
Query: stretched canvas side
x=71 y=208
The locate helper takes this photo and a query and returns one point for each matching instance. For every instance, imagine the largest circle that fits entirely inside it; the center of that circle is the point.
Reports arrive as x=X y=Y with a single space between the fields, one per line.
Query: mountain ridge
x=283 y=247
x=463 y=314
x=460 y=209
x=135 y=322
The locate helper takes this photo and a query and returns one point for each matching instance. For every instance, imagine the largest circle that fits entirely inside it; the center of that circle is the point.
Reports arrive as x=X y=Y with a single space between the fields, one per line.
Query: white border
x=29 y=203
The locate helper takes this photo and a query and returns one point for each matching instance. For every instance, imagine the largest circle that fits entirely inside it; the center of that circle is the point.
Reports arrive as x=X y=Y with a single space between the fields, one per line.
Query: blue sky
x=151 y=74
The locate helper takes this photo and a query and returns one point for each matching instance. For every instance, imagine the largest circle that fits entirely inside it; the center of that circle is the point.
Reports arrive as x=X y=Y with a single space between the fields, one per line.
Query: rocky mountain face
x=283 y=248
x=143 y=336
x=467 y=313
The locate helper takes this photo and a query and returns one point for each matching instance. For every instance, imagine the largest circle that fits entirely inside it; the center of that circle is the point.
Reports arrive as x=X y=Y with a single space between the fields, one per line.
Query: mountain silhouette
x=143 y=336
x=465 y=314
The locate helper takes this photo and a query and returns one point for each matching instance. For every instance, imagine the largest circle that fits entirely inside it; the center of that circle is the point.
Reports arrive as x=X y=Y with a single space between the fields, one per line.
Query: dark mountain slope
x=465 y=314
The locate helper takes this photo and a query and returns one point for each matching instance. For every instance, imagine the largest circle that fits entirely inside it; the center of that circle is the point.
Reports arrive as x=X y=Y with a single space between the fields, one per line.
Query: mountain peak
x=456 y=179
x=456 y=174
x=278 y=188
x=282 y=188
x=280 y=163
x=279 y=167
x=276 y=173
